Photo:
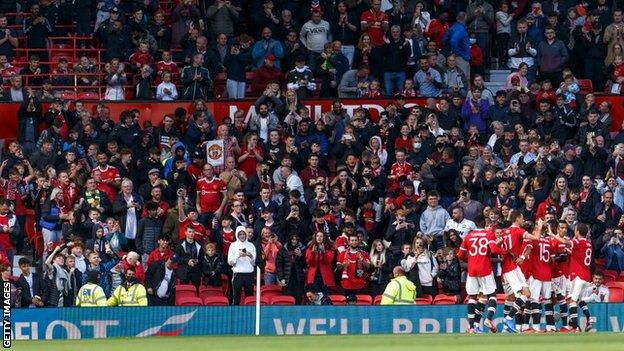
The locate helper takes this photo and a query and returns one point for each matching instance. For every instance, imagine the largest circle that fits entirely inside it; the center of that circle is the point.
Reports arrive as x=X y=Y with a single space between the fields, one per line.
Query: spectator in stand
x=166 y=90
x=9 y=38
x=374 y=22
x=433 y=220
x=212 y=265
x=427 y=79
x=269 y=72
x=314 y=35
x=457 y=41
x=480 y=20
x=37 y=29
x=290 y=263
x=222 y=16
x=115 y=79
x=160 y=31
x=242 y=258
x=32 y=286
x=437 y=28
x=160 y=280
x=196 y=79
x=344 y=28
x=522 y=50
x=552 y=55
x=476 y=111
x=503 y=31
x=267 y=45
x=395 y=55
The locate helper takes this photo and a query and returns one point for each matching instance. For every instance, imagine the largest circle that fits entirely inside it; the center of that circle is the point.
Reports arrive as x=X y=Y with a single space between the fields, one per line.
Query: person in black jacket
x=212 y=265
x=149 y=230
x=188 y=253
x=399 y=233
x=395 y=55
x=160 y=280
x=290 y=263
x=32 y=285
x=28 y=119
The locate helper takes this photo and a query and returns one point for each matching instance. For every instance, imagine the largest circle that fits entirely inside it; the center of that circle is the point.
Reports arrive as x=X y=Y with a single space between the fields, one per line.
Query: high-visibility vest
x=135 y=295
x=91 y=295
x=400 y=291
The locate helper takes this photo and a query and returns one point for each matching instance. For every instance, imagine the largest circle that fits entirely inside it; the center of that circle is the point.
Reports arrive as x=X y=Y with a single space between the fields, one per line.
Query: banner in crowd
x=85 y=323
x=154 y=111
x=215 y=155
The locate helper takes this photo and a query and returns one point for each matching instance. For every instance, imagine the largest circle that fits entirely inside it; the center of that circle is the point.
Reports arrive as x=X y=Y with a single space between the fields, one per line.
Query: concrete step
x=499 y=75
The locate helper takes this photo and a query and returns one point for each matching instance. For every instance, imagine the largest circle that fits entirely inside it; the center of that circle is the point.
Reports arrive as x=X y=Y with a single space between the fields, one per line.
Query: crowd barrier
x=103 y=322
x=154 y=111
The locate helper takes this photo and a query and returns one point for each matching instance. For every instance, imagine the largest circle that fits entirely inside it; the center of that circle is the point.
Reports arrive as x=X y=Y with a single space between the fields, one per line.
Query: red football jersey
x=228 y=237
x=200 y=231
x=561 y=268
x=513 y=238
x=540 y=259
x=375 y=32
x=476 y=249
x=109 y=173
x=580 y=259
x=356 y=275
x=209 y=192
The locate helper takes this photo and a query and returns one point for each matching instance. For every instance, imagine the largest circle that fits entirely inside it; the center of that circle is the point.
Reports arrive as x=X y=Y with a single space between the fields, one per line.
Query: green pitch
x=429 y=342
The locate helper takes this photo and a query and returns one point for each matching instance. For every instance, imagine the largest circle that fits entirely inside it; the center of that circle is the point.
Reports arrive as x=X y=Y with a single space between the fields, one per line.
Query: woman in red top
x=250 y=155
x=319 y=259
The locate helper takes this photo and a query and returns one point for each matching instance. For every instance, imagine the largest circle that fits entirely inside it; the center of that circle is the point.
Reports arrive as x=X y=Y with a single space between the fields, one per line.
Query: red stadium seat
x=616 y=294
x=377 y=300
x=422 y=301
x=251 y=301
x=189 y=301
x=610 y=276
x=88 y=95
x=205 y=291
x=445 y=300
x=585 y=86
x=185 y=290
x=216 y=301
x=282 y=300
x=270 y=290
x=615 y=284
x=364 y=300
x=337 y=299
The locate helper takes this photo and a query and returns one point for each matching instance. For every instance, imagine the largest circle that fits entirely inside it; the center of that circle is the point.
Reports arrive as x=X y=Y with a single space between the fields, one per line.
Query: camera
x=464 y=193
x=244 y=250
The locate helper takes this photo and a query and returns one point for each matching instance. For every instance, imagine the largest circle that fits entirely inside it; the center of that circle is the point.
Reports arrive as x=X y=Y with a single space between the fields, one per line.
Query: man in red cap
x=267 y=73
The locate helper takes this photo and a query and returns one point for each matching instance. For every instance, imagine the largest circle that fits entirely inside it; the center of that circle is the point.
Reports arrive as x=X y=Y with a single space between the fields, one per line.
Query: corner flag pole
x=257 y=300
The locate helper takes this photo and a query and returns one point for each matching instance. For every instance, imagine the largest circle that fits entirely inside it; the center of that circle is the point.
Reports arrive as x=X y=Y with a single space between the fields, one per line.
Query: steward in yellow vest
x=400 y=291
x=91 y=294
x=131 y=293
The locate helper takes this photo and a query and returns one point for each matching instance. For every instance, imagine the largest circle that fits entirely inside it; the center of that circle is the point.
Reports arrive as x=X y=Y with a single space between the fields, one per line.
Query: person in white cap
x=242 y=258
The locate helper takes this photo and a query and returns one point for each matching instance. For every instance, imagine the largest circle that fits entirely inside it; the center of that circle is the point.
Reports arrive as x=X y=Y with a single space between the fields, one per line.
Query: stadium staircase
x=497 y=79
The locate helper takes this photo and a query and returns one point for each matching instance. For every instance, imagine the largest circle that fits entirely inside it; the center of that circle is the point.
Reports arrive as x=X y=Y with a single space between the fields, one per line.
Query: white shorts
x=514 y=281
x=485 y=285
x=540 y=288
x=561 y=285
x=578 y=286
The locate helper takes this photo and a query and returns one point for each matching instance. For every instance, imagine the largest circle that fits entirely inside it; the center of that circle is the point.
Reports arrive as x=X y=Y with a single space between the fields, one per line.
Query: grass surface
x=429 y=342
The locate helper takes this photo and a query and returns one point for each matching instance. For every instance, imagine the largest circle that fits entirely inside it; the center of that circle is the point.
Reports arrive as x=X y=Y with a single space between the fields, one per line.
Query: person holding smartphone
x=242 y=257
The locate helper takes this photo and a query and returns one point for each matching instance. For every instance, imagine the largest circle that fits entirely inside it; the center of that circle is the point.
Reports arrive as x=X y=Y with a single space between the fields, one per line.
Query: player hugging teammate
x=539 y=268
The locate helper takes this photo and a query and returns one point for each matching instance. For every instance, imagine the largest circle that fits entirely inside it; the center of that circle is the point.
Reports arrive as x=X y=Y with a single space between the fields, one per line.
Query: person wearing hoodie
x=301 y=79
x=242 y=258
x=148 y=231
x=179 y=150
x=433 y=219
x=476 y=111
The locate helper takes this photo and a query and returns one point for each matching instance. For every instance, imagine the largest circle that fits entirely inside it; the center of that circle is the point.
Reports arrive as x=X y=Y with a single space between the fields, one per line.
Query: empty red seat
x=616 y=294
x=88 y=95
x=270 y=290
x=251 y=301
x=282 y=300
x=188 y=301
x=205 y=291
x=501 y=298
x=185 y=290
x=445 y=300
x=216 y=301
x=337 y=299
x=377 y=300
x=422 y=301
x=364 y=300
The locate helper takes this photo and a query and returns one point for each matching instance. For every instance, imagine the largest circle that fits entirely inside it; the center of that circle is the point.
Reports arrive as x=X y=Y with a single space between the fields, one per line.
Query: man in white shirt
x=292 y=181
x=160 y=281
x=596 y=291
x=460 y=224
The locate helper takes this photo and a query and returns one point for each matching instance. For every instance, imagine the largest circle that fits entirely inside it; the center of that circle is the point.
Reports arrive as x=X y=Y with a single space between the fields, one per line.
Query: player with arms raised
x=580 y=274
x=514 y=282
x=476 y=249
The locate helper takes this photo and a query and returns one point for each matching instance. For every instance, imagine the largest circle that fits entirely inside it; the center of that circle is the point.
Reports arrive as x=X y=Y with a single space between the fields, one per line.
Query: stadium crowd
x=327 y=205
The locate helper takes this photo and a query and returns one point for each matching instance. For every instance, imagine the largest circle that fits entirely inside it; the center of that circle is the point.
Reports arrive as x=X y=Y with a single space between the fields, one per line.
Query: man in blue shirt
x=427 y=80
x=457 y=41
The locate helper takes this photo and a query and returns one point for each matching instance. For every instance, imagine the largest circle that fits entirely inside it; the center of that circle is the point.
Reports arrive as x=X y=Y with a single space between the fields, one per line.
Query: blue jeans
x=482 y=41
x=270 y=278
x=235 y=89
x=51 y=235
x=393 y=82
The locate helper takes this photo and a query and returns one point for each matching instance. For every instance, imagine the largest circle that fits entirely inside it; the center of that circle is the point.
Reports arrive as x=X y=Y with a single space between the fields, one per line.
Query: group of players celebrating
x=541 y=266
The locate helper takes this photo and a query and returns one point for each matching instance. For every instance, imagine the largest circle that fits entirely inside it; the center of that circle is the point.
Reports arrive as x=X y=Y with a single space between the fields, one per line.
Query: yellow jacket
x=400 y=291
x=91 y=295
x=135 y=295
